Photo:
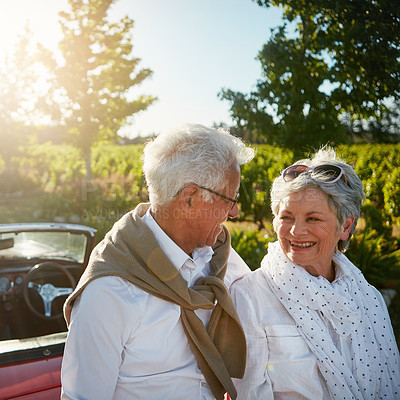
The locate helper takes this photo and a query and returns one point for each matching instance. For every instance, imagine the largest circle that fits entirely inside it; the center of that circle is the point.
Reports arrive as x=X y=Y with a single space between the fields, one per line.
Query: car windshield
x=43 y=244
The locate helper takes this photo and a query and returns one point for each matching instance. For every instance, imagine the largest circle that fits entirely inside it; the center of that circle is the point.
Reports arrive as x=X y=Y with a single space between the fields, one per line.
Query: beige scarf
x=131 y=251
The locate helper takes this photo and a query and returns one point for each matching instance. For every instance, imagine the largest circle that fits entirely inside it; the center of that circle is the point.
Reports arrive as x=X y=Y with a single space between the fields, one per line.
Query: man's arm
x=102 y=321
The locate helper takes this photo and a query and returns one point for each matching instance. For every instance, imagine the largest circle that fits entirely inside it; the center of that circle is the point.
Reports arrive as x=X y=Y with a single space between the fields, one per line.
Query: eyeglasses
x=326 y=173
x=233 y=201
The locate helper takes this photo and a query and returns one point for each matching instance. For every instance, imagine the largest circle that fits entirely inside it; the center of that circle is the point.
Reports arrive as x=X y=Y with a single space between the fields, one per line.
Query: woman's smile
x=301 y=245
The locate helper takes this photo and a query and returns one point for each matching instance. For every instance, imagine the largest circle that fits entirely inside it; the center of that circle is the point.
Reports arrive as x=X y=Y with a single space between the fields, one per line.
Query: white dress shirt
x=124 y=343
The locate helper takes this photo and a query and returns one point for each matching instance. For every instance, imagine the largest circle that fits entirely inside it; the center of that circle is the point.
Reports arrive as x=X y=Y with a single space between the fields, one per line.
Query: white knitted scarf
x=351 y=305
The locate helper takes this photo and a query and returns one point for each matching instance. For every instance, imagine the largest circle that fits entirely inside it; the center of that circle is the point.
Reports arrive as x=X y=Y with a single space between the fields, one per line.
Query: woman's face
x=308 y=230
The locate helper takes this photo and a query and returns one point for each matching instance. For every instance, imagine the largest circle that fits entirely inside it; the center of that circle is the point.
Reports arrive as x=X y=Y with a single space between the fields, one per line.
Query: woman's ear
x=346 y=228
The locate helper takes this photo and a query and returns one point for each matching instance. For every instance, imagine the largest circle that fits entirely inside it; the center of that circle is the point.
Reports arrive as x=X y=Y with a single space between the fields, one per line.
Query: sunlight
x=42 y=17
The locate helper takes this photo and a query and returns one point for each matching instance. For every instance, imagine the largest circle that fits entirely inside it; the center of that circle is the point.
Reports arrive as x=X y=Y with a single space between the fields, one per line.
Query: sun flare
x=40 y=15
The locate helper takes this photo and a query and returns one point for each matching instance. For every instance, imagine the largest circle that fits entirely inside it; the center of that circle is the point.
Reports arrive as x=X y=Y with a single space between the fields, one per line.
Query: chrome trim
x=46 y=226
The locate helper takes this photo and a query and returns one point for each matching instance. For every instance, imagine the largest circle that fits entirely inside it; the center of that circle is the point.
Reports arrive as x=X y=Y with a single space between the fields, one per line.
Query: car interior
x=38 y=270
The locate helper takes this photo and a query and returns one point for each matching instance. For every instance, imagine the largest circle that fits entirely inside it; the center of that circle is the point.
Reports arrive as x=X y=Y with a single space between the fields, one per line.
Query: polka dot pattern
x=352 y=307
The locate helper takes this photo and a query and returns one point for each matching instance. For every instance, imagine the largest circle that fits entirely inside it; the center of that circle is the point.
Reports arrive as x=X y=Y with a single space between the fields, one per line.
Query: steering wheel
x=47 y=291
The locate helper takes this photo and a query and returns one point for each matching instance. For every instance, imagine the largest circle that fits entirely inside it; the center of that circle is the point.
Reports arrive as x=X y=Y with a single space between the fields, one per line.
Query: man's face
x=206 y=218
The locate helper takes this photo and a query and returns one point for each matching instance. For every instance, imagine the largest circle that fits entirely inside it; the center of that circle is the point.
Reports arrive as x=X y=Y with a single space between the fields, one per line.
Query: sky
x=194 y=48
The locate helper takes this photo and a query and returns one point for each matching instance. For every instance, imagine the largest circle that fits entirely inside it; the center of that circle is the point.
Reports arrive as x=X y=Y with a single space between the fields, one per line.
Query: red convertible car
x=40 y=264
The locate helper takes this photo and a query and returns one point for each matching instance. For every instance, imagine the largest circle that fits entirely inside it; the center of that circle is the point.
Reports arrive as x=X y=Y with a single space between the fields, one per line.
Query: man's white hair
x=191 y=154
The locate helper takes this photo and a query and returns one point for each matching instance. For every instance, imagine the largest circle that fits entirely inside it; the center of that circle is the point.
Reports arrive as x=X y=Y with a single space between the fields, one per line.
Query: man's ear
x=186 y=196
x=346 y=228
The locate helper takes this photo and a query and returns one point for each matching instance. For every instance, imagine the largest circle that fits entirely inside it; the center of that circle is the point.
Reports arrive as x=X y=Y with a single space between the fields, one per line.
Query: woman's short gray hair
x=191 y=154
x=344 y=199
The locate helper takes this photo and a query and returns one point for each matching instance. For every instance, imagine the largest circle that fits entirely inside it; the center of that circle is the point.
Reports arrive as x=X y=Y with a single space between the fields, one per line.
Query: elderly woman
x=315 y=328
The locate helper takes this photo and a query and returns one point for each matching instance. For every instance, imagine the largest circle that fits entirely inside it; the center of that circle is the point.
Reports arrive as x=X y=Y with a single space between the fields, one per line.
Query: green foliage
x=52 y=167
x=376 y=257
x=391 y=194
x=378 y=166
x=386 y=129
x=14 y=183
x=328 y=60
x=98 y=203
x=257 y=178
x=361 y=38
x=251 y=246
x=58 y=171
x=394 y=312
x=109 y=159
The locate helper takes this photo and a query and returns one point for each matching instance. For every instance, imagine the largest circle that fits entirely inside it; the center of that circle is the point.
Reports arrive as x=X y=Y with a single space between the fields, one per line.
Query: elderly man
x=151 y=317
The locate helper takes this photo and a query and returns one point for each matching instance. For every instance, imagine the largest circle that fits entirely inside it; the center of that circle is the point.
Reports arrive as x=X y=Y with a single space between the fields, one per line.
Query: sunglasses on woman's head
x=326 y=173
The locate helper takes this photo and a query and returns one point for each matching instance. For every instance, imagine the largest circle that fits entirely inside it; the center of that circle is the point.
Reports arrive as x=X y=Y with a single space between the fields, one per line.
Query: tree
x=93 y=87
x=342 y=60
x=385 y=129
x=246 y=135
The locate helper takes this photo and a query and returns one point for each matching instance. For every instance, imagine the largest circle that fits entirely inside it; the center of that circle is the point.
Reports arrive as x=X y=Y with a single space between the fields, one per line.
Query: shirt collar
x=339 y=272
x=202 y=255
